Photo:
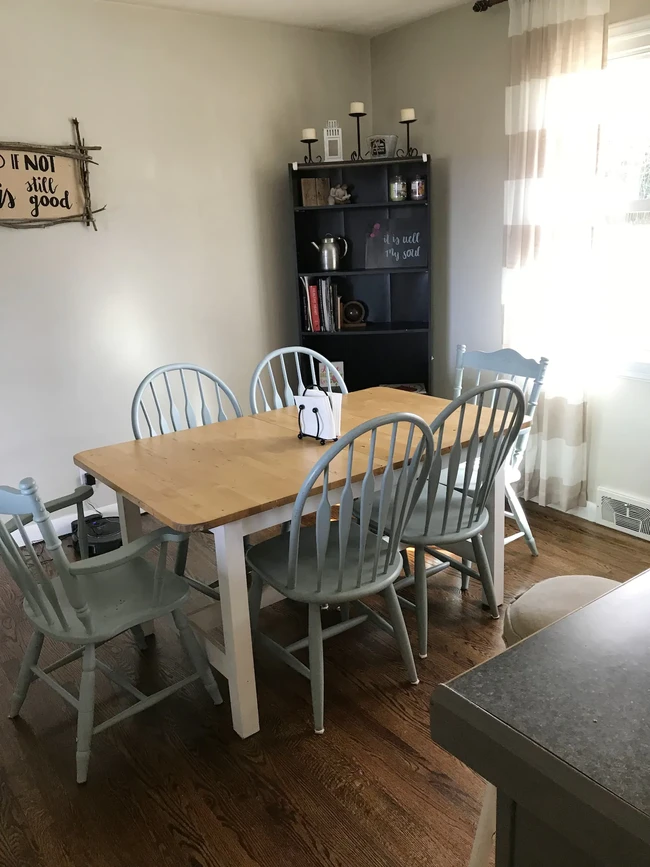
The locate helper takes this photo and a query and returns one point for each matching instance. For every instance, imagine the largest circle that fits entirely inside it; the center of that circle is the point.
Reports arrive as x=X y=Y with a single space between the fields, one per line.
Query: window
x=623 y=231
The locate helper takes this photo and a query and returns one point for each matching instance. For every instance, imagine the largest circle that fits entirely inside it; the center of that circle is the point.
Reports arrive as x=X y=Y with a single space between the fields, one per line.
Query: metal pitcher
x=330 y=253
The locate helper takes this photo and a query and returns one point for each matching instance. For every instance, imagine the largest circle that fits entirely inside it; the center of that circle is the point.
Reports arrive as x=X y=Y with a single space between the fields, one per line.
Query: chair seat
x=118 y=599
x=512 y=475
x=550 y=600
x=414 y=532
x=270 y=558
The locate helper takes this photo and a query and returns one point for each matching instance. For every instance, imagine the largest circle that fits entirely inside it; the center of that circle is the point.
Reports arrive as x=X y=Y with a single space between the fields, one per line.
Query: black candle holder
x=356 y=155
x=409 y=152
x=308 y=159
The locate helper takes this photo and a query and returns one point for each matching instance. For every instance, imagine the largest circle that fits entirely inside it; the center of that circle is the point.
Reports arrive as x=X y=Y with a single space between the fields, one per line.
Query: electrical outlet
x=85 y=478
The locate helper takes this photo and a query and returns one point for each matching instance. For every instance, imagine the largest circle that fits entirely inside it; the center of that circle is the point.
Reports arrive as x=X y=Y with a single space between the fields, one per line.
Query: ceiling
x=367 y=17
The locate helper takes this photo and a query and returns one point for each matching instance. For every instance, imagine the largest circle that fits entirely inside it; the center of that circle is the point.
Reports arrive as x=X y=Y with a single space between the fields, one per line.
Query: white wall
x=454 y=67
x=197 y=117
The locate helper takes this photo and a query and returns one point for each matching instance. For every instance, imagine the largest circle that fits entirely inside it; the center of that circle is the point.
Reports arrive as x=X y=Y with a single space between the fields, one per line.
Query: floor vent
x=624 y=513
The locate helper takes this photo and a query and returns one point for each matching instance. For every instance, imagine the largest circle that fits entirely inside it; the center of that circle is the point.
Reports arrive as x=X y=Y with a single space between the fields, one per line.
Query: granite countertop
x=580 y=689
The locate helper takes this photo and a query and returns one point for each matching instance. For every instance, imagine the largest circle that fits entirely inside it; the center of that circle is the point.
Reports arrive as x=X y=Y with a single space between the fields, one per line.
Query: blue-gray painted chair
x=529 y=374
x=456 y=512
x=340 y=562
x=77 y=498
x=178 y=397
x=281 y=372
x=88 y=603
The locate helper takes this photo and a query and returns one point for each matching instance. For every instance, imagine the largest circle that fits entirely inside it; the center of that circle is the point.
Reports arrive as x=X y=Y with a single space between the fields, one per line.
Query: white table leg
x=130 y=519
x=131 y=528
x=493 y=535
x=238 y=645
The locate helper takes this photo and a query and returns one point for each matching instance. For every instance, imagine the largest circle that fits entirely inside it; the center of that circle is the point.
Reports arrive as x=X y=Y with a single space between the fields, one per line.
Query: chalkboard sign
x=397 y=243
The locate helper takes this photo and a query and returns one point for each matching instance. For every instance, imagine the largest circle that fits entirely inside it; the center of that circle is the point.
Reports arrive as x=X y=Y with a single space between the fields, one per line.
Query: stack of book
x=322 y=305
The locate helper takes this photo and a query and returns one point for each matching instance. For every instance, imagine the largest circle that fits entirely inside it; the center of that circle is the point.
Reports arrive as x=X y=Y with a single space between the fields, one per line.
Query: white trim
x=629 y=39
x=636 y=370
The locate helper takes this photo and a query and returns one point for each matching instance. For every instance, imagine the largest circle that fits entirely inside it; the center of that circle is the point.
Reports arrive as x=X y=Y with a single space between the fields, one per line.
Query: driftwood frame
x=78 y=151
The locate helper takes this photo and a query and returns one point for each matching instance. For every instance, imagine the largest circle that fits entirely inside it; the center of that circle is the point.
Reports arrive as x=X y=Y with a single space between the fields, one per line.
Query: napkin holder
x=319 y=415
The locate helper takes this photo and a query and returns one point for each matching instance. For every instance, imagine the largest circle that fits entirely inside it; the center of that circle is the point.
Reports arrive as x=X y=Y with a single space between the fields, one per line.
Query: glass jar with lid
x=418 y=188
x=397 y=189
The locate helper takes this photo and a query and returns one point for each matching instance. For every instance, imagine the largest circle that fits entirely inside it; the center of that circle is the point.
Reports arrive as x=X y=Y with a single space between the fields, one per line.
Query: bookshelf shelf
x=374 y=328
x=398 y=336
x=360 y=272
x=364 y=205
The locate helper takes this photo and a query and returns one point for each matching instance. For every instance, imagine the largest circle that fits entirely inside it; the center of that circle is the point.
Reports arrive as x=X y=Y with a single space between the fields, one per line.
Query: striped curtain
x=552 y=122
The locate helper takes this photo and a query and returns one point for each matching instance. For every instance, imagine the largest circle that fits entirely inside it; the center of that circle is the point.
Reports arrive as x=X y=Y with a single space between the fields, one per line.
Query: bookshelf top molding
x=358 y=164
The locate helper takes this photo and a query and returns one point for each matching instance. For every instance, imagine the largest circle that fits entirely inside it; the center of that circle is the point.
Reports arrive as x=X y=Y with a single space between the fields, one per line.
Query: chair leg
x=25 y=675
x=483 y=566
x=485 y=830
x=345 y=611
x=316 y=671
x=181 y=557
x=421 y=602
x=405 y=561
x=519 y=514
x=464 y=579
x=82 y=532
x=140 y=638
x=401 y=635
x=255 y=600
x=86 y=713
x=196 y=655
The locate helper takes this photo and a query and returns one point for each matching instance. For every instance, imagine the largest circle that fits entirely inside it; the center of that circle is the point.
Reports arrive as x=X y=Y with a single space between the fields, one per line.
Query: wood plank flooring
x=175 y=787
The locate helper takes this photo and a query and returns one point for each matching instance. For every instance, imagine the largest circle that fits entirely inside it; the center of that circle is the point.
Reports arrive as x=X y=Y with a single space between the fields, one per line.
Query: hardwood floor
x=175 y=787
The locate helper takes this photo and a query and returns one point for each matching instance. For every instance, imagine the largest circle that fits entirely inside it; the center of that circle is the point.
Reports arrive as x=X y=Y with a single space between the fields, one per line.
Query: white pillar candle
x=357 y=108
x=309 y=133
x=407 y=114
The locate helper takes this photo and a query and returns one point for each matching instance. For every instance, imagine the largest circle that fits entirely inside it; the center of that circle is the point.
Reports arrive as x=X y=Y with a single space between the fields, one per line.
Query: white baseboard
x=588 y=512
x=63 y=522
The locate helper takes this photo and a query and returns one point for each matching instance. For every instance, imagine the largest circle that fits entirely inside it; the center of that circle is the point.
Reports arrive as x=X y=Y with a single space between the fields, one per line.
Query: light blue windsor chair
x=529 y=374
x=179 y=397
x=87 y=604
x=453 y=511
x=282 y=371
x=340 y=562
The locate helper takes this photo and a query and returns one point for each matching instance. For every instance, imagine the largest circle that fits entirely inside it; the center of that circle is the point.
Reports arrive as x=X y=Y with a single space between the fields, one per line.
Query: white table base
x=225 y=626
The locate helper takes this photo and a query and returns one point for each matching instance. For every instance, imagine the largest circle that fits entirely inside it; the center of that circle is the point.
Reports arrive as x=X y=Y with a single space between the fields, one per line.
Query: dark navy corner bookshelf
x=396 y=344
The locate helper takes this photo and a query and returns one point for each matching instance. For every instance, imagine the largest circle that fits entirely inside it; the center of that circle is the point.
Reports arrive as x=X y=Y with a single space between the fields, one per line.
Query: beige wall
x=198 y=117
x=454 y=68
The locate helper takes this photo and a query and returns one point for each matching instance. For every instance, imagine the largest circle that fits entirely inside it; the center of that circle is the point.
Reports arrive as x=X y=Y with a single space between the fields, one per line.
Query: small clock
x=354 y=314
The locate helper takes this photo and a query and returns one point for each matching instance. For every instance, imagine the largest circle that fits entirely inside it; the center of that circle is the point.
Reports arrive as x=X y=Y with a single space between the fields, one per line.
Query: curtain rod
x=484 y=5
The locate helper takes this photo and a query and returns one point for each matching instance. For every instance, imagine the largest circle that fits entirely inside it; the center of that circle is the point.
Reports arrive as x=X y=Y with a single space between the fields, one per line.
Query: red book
x=313 y=304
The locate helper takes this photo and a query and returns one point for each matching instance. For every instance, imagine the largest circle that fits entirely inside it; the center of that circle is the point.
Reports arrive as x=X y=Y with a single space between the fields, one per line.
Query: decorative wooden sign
x=42 y=186
x=397 y=243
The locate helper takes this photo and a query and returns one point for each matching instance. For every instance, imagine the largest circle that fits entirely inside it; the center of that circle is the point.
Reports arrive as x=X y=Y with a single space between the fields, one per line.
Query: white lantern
x=332 y=142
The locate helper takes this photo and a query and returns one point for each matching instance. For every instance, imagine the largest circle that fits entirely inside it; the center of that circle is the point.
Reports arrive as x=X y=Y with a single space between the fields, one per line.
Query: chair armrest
x=127 y=552
x=83 y=492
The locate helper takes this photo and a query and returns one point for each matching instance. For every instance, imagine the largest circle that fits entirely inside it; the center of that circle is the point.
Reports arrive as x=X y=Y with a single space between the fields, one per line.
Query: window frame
x=629 y=39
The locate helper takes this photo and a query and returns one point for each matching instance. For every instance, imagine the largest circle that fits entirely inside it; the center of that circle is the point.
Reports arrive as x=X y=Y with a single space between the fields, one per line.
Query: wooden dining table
x=238 y=477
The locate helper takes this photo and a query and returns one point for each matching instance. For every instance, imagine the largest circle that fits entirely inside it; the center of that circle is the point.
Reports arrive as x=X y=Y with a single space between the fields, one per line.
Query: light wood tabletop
x=209 y=476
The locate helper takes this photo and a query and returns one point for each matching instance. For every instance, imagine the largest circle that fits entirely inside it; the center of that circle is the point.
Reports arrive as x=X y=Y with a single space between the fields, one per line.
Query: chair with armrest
x=87 y=604
x=529 y=375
